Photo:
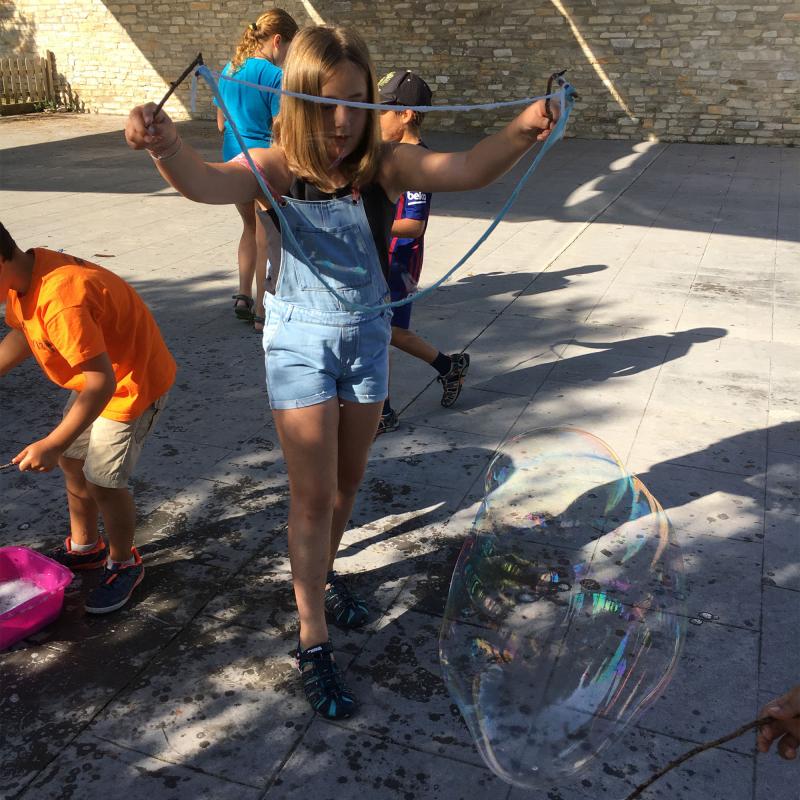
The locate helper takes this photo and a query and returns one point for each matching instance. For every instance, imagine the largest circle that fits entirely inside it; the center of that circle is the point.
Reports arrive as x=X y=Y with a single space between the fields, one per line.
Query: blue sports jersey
x=405 y=255
x=253 y=111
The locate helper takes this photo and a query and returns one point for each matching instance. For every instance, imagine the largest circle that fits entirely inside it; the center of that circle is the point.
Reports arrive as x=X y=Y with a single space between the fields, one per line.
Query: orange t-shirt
x=74 y=311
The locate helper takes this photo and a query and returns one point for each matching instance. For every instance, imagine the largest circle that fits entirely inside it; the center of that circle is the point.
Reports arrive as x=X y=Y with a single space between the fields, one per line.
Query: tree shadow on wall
x=18 y=31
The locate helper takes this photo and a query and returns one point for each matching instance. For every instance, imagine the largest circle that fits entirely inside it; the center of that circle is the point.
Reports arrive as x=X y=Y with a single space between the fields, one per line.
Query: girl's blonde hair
x=276 y=20
x=314 y=56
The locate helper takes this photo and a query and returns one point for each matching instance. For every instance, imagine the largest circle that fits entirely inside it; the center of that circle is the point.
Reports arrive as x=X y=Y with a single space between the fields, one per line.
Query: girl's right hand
x=142 y=132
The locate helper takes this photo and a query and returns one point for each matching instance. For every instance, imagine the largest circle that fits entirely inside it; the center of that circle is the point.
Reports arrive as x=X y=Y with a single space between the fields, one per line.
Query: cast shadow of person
x=614 y=359
x=494 y=283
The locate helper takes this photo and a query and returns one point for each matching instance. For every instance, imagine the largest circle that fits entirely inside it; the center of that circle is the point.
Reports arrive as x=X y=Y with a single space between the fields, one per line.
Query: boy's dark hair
x=418 y=117
x=7 y=245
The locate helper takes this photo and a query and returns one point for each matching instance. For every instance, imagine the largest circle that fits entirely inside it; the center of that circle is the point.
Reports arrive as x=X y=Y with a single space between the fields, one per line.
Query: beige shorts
x=110 y=449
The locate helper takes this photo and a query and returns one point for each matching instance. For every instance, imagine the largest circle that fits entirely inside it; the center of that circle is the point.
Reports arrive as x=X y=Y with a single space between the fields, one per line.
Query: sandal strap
x=322 y=681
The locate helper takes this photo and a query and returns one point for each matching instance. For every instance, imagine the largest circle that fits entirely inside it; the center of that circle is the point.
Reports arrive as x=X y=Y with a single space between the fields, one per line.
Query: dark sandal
x=323 y=685
x=258 y=323
x=346 y=609
x=244 y=312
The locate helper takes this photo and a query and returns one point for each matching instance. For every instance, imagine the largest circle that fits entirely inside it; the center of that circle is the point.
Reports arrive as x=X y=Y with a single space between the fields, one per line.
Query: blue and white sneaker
x=116 y=586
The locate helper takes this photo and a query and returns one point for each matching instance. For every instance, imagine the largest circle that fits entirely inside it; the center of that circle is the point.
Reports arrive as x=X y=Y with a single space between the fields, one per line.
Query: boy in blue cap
x=404 y=88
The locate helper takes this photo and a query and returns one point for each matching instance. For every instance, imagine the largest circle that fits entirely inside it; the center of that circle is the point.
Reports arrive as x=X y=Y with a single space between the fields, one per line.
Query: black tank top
x=378 y=207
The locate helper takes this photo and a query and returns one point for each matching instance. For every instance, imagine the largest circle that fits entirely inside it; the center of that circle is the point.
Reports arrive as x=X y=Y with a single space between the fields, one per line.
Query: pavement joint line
x=406 y=745
x=717 y=218
x=778 y=586
x=672 y=462
x=764 y=505
x=773 y=296
x=689 y=741
x=180 y=764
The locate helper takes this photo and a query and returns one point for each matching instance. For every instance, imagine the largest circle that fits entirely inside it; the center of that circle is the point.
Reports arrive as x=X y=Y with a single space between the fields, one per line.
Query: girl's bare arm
x=414 y=168
x=184 y=169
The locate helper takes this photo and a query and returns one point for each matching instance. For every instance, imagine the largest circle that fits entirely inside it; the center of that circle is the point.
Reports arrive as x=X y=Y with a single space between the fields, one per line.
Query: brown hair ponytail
x=274 y=21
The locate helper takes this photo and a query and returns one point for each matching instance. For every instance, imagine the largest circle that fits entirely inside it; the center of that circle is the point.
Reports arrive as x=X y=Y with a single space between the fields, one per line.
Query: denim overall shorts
x=315 y=349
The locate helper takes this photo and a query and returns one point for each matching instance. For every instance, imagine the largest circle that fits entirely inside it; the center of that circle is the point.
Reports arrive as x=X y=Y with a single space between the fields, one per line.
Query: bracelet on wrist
x=171 y=151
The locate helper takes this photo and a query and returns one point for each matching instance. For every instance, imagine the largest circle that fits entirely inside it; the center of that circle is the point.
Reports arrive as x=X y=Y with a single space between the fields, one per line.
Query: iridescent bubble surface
x=565 y=616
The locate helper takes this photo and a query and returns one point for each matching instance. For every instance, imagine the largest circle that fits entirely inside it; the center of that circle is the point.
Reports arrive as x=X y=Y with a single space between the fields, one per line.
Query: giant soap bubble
x=565 y=615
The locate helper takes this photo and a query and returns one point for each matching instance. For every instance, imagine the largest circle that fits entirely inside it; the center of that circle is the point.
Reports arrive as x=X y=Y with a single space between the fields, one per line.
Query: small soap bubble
x=565 y=617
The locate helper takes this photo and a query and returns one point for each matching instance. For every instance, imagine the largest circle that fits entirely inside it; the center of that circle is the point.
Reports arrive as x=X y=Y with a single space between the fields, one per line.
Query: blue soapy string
x=564 y=94
x=522 y=101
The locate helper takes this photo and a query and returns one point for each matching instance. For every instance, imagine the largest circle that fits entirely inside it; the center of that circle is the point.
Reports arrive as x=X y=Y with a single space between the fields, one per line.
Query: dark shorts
x=401 y=316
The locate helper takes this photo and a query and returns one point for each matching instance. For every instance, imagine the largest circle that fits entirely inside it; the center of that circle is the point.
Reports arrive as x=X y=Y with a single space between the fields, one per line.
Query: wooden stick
x=756 y=723
x=198 y=60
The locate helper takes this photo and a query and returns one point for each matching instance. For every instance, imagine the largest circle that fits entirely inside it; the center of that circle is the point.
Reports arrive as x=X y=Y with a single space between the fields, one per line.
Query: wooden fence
x=27 y=82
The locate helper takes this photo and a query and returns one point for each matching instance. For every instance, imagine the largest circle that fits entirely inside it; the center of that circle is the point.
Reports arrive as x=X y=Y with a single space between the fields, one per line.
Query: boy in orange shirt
x=90 y=333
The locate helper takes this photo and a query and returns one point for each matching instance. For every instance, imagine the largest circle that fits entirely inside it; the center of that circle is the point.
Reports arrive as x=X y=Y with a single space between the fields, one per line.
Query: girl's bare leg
x=357 y=425
x=262 y=253
x=247 y=248
x=309 y=440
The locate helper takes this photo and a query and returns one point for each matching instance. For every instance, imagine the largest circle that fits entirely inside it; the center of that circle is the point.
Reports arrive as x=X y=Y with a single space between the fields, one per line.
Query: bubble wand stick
x=7 y=466
x=756 y=723
x=198 y=61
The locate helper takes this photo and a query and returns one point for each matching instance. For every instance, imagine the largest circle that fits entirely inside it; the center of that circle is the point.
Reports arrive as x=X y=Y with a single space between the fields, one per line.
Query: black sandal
x=323 y=683
x=346 y=609
x=243 y=312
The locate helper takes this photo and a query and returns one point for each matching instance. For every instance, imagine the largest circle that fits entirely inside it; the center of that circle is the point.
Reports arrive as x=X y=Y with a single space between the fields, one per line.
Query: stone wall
x=676 y=70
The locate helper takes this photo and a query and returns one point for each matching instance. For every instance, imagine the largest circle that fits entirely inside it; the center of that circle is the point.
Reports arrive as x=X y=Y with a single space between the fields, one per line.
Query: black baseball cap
x=401 y=87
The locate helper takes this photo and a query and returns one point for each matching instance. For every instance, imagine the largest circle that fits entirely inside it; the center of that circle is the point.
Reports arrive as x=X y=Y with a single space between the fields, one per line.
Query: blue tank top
x=253 y=111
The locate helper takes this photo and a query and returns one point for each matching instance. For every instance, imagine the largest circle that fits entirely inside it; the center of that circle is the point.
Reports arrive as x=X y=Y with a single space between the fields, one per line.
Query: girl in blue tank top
x=258 y=58
x=327 y=366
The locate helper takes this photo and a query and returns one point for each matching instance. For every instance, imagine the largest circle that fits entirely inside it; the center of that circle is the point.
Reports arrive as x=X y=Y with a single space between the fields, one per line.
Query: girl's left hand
x=535 y=121
x=144 y=131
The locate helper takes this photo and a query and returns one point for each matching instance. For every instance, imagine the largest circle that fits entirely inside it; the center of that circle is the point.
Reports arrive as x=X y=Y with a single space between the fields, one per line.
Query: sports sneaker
x=452 y=382
x=88 y=559
x=345 y=609
x=116 y=586
x=388 y=422
x=323 y=683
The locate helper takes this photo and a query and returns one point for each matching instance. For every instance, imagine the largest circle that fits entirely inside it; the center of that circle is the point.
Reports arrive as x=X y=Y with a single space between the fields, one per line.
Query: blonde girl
x=327 y=366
